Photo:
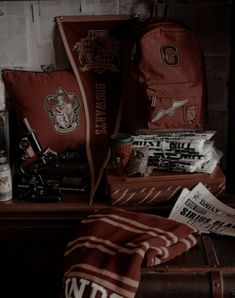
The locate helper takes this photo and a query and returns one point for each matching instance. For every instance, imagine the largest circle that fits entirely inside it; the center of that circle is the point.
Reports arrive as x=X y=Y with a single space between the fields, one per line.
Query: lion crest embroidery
x=63 y=109
x=98 y=52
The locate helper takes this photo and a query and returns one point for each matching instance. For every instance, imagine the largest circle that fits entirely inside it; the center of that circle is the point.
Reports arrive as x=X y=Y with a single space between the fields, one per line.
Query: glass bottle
x=5 y=180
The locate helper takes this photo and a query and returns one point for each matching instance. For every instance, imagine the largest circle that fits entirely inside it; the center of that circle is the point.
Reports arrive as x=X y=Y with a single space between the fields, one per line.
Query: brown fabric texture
x=52 y=103
x=105 y=257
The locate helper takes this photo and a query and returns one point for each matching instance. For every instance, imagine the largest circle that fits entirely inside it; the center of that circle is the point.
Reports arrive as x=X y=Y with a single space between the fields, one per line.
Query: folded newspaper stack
x=181 y=151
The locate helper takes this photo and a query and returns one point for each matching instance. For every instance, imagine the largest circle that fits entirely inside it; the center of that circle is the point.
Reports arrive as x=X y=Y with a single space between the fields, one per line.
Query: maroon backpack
x=164 y=86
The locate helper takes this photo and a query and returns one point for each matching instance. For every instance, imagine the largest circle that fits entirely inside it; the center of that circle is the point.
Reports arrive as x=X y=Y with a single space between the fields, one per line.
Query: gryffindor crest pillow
x=52 y=103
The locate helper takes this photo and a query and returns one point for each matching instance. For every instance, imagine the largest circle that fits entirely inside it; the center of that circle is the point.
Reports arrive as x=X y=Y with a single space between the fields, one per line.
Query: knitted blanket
x=105 y=257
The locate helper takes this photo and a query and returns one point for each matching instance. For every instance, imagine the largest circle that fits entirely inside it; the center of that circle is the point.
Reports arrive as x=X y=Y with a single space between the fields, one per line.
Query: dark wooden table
x=33 y=237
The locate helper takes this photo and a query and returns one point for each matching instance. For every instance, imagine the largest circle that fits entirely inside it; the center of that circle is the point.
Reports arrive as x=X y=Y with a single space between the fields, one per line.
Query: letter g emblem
x=170 y=55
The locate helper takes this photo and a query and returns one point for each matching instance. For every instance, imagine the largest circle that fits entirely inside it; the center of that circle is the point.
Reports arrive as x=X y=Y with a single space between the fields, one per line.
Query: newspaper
x=181 y=151
x=203 y=211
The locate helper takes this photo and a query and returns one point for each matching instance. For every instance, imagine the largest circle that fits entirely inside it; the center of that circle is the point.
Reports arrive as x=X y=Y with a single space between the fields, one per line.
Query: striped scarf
x=105 y=257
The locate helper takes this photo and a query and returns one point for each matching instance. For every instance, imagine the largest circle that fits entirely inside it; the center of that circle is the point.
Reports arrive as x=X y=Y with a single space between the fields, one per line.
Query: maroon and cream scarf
x=105 y=257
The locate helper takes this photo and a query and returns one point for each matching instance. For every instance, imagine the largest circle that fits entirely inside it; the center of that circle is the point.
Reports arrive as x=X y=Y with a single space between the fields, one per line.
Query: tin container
x=121 y=148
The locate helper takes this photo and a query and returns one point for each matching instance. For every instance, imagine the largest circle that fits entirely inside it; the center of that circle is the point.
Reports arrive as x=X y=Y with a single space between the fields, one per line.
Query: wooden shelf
x=33 y=238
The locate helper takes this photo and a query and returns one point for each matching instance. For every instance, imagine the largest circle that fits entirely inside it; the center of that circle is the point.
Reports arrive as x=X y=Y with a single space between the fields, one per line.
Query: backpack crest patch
x=170 y=55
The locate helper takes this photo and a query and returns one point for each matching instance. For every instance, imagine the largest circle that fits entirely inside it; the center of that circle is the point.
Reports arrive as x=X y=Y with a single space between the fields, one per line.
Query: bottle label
x=5 y=181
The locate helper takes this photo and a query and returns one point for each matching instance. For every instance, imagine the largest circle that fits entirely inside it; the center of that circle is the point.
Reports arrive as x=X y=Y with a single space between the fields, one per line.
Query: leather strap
x=212 y=259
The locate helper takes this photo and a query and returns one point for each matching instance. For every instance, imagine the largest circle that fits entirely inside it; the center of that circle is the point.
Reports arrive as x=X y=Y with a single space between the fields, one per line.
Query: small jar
x=5 y=180
x=121 y=148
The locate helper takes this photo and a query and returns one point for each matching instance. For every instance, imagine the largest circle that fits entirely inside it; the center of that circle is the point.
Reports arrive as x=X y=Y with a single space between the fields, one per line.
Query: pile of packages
x=181 y=151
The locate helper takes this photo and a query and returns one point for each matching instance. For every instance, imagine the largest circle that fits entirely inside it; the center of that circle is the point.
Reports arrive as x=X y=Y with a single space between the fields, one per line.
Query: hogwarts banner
x=94 y=48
